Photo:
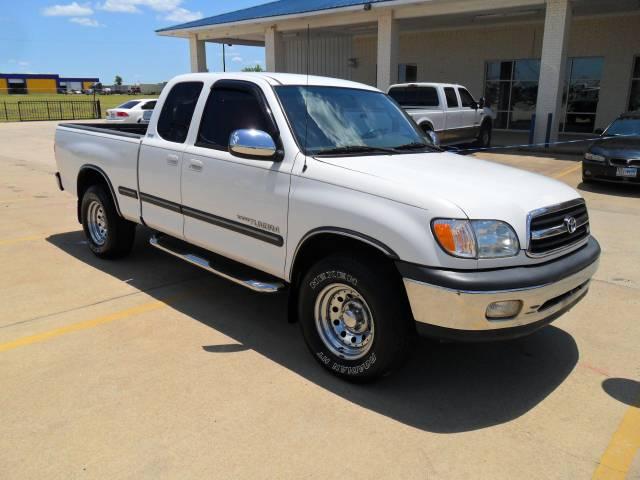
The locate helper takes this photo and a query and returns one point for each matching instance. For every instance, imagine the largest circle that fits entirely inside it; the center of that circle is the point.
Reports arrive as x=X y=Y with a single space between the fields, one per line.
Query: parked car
x=131 y=111
x=447 y=110
x=324 y=188
x=134 y=90
x=616 y=156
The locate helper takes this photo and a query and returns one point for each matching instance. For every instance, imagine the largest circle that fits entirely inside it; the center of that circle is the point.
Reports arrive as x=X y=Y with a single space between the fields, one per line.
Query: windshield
x=624 y=126
x=129 y=104
x=348 y=121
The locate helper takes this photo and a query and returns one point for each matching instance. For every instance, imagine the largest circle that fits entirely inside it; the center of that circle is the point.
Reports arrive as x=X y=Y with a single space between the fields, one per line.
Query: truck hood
x=481 y=189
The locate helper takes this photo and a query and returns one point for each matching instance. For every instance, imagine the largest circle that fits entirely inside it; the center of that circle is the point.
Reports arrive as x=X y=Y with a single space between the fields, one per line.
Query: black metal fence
x=28 y=110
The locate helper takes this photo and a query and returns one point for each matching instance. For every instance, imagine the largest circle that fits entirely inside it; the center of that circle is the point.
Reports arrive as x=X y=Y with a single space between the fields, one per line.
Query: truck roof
x=276 y=79
x=427 y=84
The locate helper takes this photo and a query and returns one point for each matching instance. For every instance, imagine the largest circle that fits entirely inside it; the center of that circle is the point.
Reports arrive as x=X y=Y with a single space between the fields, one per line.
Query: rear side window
x=148 y=106
x=128 y=105
x=466 y=98
x=415 y=96
x=452 y=99
x=178 y=108
x=230 y=108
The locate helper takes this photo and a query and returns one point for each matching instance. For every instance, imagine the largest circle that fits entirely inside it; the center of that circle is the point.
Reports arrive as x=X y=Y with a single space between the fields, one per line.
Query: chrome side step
x=226 y=268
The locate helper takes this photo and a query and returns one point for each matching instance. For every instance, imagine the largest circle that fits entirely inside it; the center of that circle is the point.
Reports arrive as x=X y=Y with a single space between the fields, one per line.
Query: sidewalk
x=520 y=141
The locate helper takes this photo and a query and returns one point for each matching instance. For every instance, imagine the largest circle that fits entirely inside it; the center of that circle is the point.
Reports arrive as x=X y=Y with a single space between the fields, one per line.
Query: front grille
x=549 y=228
x=623 y=162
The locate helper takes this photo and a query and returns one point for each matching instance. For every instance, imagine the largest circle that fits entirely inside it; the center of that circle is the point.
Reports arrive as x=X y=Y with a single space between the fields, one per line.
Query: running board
x=226 y=268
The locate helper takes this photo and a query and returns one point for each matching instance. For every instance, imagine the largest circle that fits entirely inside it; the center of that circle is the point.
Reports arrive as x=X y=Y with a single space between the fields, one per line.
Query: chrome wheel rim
x=344 y=321
x=97 y=223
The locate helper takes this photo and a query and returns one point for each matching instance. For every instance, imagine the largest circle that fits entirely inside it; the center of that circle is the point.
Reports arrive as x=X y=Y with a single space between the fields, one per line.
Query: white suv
x=447 y=110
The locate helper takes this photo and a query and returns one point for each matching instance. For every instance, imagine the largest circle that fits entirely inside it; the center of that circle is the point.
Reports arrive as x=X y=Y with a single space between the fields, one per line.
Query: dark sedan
x=615 y=157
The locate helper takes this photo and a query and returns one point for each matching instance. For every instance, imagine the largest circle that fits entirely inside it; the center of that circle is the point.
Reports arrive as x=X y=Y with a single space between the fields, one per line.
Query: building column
x=198 y=54
x=388 y=45
x=557 y=25
x=274 y=50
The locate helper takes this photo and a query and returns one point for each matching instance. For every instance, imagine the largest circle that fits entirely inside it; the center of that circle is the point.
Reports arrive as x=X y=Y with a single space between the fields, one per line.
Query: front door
x=470 y=116
x=161 y=157
x=234 y=206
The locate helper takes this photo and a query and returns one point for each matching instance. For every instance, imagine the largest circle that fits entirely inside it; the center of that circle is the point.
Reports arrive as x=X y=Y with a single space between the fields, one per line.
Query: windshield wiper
x=347 y=149
x=415 y=146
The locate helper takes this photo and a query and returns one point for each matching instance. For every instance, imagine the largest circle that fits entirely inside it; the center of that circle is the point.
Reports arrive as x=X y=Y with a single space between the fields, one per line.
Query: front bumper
x=452 y=304
x=605 y=173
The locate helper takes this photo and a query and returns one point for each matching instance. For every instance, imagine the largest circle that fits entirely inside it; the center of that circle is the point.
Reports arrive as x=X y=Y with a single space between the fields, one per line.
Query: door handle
x=195 y=165
x=172 y=159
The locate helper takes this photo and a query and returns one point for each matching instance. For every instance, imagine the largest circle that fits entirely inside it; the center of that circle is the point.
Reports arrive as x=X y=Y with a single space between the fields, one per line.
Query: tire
x=371 y=333
x=484 y=137
x=108 y=234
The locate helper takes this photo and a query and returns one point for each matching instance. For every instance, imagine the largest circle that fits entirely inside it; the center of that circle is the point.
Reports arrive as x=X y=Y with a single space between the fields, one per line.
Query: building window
x=511 y=89
x=17 y=86
x=634 y=97
x=407 y=72
x=581 y=94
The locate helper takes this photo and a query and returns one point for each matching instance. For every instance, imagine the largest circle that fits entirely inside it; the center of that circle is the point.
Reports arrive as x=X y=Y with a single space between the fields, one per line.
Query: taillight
x=122 y=114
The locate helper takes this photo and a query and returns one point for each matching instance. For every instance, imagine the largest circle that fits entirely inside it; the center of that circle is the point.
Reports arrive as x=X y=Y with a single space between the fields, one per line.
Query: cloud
x=70 y=10
x=183 y=15
x=85 y=22
x=131 y=6
x=237 y=59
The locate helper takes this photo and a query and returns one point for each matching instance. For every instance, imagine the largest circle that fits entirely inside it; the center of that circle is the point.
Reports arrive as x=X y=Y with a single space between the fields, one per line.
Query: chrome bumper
x=466 y=310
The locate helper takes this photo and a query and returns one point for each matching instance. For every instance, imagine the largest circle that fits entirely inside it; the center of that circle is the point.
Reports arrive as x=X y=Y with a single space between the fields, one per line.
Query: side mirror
x=433 y=136
x=598 y=131
x=254 y=144
x=482 y=102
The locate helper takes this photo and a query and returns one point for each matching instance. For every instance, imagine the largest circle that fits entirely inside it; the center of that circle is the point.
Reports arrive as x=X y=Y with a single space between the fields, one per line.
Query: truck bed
x=135 y=130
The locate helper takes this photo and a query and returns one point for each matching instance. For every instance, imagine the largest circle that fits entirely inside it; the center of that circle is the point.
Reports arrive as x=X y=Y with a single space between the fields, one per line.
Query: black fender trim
x=106 y=178
x=345 y=232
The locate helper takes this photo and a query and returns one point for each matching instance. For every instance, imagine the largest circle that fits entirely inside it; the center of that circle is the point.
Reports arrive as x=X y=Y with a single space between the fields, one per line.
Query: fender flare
x=101 y=172
x=345 y=232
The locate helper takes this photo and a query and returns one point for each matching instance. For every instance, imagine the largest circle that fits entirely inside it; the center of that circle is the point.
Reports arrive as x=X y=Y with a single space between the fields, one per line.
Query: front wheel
x=108 y=234
x=484 y=137
x=353 y=317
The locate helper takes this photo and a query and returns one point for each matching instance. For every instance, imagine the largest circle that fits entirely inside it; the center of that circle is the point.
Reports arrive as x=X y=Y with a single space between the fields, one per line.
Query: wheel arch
x=90 y=175
x=323 y=241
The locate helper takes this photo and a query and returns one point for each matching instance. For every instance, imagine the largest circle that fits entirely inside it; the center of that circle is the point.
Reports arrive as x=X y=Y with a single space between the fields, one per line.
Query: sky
x=105 y=38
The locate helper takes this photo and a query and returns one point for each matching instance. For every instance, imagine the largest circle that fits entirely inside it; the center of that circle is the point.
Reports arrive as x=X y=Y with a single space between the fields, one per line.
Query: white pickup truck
x=323 y=188
x=446 y=112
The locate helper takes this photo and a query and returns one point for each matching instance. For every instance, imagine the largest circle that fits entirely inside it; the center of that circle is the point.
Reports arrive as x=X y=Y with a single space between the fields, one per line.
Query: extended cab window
x=230 y=108
x=452 y=98
x=415 y=96
x=178 y=108
x=466 y=98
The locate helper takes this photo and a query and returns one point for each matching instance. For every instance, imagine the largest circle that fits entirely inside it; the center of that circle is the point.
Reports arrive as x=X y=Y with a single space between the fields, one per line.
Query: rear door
x=470 y=115
x=160 y=160
x=454 y=121
x=236 y=207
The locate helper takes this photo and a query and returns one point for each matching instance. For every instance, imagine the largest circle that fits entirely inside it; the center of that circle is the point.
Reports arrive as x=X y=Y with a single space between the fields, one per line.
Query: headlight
x=594 y=157
x=476 y=238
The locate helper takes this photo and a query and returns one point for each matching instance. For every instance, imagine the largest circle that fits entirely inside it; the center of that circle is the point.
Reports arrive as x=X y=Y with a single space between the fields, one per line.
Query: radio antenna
x=306 y=93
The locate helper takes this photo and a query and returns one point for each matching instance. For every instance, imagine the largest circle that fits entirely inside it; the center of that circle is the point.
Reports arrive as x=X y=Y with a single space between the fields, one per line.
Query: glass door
x=581 y=94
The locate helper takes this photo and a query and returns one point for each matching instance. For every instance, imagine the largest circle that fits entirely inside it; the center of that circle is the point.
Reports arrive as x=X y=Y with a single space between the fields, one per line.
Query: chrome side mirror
x=433 y=136
x=251 y=143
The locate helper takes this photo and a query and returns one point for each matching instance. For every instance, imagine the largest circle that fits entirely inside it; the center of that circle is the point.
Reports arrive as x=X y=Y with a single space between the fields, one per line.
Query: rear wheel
x=353 y=317
x=108 y=234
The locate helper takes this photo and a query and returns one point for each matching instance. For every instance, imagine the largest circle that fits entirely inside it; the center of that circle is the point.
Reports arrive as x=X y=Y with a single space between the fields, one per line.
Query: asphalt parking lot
x=151 y=368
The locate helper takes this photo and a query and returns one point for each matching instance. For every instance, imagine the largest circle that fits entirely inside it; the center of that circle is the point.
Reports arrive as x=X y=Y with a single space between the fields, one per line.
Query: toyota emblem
x=571 y=224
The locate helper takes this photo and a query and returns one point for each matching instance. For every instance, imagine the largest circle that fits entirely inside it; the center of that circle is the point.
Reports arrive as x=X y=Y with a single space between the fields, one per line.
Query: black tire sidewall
x=484 y=129
x=97 y=193
x=390 y=321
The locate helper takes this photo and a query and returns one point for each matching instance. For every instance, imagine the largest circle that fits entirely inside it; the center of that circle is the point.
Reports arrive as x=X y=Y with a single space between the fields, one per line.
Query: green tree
x=257 y=68
x=118 y=80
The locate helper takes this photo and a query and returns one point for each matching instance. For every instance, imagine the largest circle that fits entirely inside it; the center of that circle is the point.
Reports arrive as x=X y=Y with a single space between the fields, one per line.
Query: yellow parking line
x=12 y=241
x=568 y=171
x=623 y=447
x=74 y=327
